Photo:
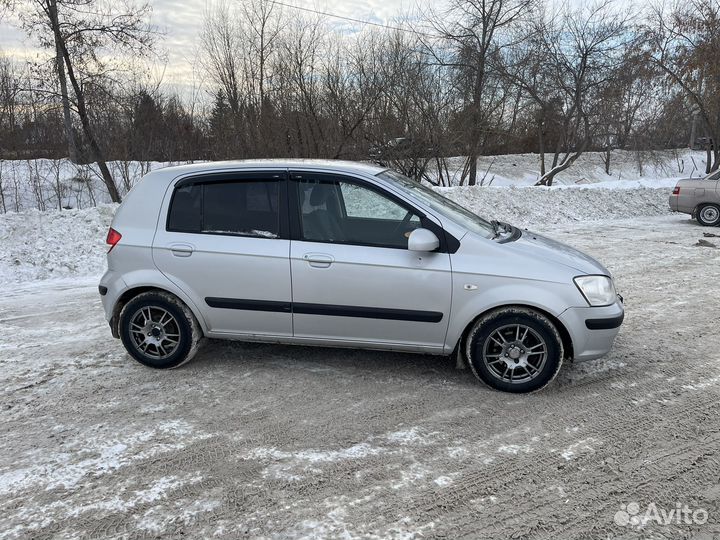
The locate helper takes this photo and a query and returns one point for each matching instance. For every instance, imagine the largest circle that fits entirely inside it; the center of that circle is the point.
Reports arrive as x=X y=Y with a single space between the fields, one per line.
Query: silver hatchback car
x=351 y=255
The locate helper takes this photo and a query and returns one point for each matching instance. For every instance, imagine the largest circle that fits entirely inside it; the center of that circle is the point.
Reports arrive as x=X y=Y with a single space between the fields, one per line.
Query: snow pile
x=41 y=245
x=53 y=244
x=625 y=167
x=538 y=206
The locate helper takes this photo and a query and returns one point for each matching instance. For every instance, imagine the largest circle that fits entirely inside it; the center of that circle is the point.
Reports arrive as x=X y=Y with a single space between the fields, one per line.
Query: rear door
x=225 y=243
x=354 y=279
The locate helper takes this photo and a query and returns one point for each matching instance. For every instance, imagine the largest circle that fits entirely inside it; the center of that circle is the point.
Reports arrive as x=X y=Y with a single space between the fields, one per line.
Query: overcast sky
x=180 y=21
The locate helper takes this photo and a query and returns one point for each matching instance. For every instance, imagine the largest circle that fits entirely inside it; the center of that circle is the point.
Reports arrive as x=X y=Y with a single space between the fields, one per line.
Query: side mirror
x=423 y=240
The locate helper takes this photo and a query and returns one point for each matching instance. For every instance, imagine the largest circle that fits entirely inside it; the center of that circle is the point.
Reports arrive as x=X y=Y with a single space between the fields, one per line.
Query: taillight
x=676 y=191
x=113 y=238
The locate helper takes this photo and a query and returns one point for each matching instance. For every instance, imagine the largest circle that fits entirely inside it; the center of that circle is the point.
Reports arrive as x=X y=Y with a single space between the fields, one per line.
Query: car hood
x=533 y=245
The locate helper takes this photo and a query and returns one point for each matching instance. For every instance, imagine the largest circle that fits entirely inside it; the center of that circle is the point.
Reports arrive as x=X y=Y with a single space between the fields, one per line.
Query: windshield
x=441 y=205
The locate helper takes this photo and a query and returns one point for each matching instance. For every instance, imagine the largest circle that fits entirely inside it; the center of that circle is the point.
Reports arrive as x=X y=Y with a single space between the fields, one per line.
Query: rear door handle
x=181 y=250
x=319 y=260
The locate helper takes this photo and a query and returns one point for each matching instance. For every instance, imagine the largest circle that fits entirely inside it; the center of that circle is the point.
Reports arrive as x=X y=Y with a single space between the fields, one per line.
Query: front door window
x=344 y=212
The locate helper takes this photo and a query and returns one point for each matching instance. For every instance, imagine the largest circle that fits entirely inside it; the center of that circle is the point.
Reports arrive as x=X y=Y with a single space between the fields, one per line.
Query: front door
x=226 y=245
x=353 y=277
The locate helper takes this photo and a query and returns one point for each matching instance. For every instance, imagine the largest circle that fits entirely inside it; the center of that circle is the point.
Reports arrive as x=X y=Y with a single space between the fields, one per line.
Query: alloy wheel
x=155 y=332
x=515 y=353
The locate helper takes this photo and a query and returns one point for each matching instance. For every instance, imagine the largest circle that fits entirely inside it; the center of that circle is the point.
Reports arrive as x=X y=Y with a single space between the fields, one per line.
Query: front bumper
x=607 y=323
x=593 y=329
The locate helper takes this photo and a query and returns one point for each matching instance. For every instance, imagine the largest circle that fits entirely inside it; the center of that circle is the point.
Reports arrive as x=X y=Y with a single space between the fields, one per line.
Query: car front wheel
x=709 y=215
x=158 y=330
x=514 y=349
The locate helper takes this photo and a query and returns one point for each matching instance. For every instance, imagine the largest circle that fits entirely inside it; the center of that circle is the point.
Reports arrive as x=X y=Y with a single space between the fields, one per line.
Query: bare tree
x=78 y=31
x=10 y=88
x=474 y=31
x=60 y=71
x=684 y=42
x=361 y=86
x=2 y=187
x=623 y=101
x=222 y=52
x=299 y=93
x=239 y=44
x=416 y=109
x=261 y=28
x=565 y=69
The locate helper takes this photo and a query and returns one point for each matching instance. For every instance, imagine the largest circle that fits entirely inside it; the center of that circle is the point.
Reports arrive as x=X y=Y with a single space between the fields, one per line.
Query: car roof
x=336 y=165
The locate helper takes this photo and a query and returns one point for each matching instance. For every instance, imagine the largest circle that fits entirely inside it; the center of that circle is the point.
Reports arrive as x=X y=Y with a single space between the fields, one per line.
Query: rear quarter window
x=185 y=209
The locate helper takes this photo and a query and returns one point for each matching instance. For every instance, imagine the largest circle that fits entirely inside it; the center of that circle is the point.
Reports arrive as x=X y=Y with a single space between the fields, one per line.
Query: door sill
x=328 y=342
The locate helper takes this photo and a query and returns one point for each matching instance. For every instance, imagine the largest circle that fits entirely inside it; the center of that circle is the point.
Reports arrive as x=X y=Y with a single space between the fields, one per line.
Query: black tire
x=492 y=344
x=708 y=215
x=183 y=328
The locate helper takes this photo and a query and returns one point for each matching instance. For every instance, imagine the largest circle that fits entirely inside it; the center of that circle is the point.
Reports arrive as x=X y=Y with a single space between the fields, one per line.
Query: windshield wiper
x=500 y=228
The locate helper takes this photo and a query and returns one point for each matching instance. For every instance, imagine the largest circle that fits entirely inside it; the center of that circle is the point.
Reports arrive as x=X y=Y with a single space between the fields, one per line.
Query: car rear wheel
x=514 y=349
x=158 y=330
x=709 y=215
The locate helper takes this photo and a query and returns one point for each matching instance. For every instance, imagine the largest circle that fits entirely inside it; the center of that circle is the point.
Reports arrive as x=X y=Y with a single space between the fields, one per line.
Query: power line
x=351 y=19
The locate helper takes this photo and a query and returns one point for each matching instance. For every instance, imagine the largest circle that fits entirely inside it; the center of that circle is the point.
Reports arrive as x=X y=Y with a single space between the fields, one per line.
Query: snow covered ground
x=252 y=440
x=271 y=441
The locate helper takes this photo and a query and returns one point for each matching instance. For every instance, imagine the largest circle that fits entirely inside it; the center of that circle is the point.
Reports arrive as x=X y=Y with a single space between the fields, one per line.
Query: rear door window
x=244 y=208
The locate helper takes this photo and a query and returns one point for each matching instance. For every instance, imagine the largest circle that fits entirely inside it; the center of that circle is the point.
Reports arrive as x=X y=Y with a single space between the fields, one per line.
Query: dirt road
x=275 y=441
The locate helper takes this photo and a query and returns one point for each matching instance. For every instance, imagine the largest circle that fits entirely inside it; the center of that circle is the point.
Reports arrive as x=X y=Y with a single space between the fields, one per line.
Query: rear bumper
x=593 y=329
x=680 y=204
x=113 y=285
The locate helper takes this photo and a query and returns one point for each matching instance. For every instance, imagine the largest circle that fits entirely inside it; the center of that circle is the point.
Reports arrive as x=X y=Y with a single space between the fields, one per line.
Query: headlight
x=597 y=290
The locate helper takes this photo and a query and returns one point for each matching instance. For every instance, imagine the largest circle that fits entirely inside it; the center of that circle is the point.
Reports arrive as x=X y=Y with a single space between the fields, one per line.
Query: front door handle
x=319 y=260
x=181 y=250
